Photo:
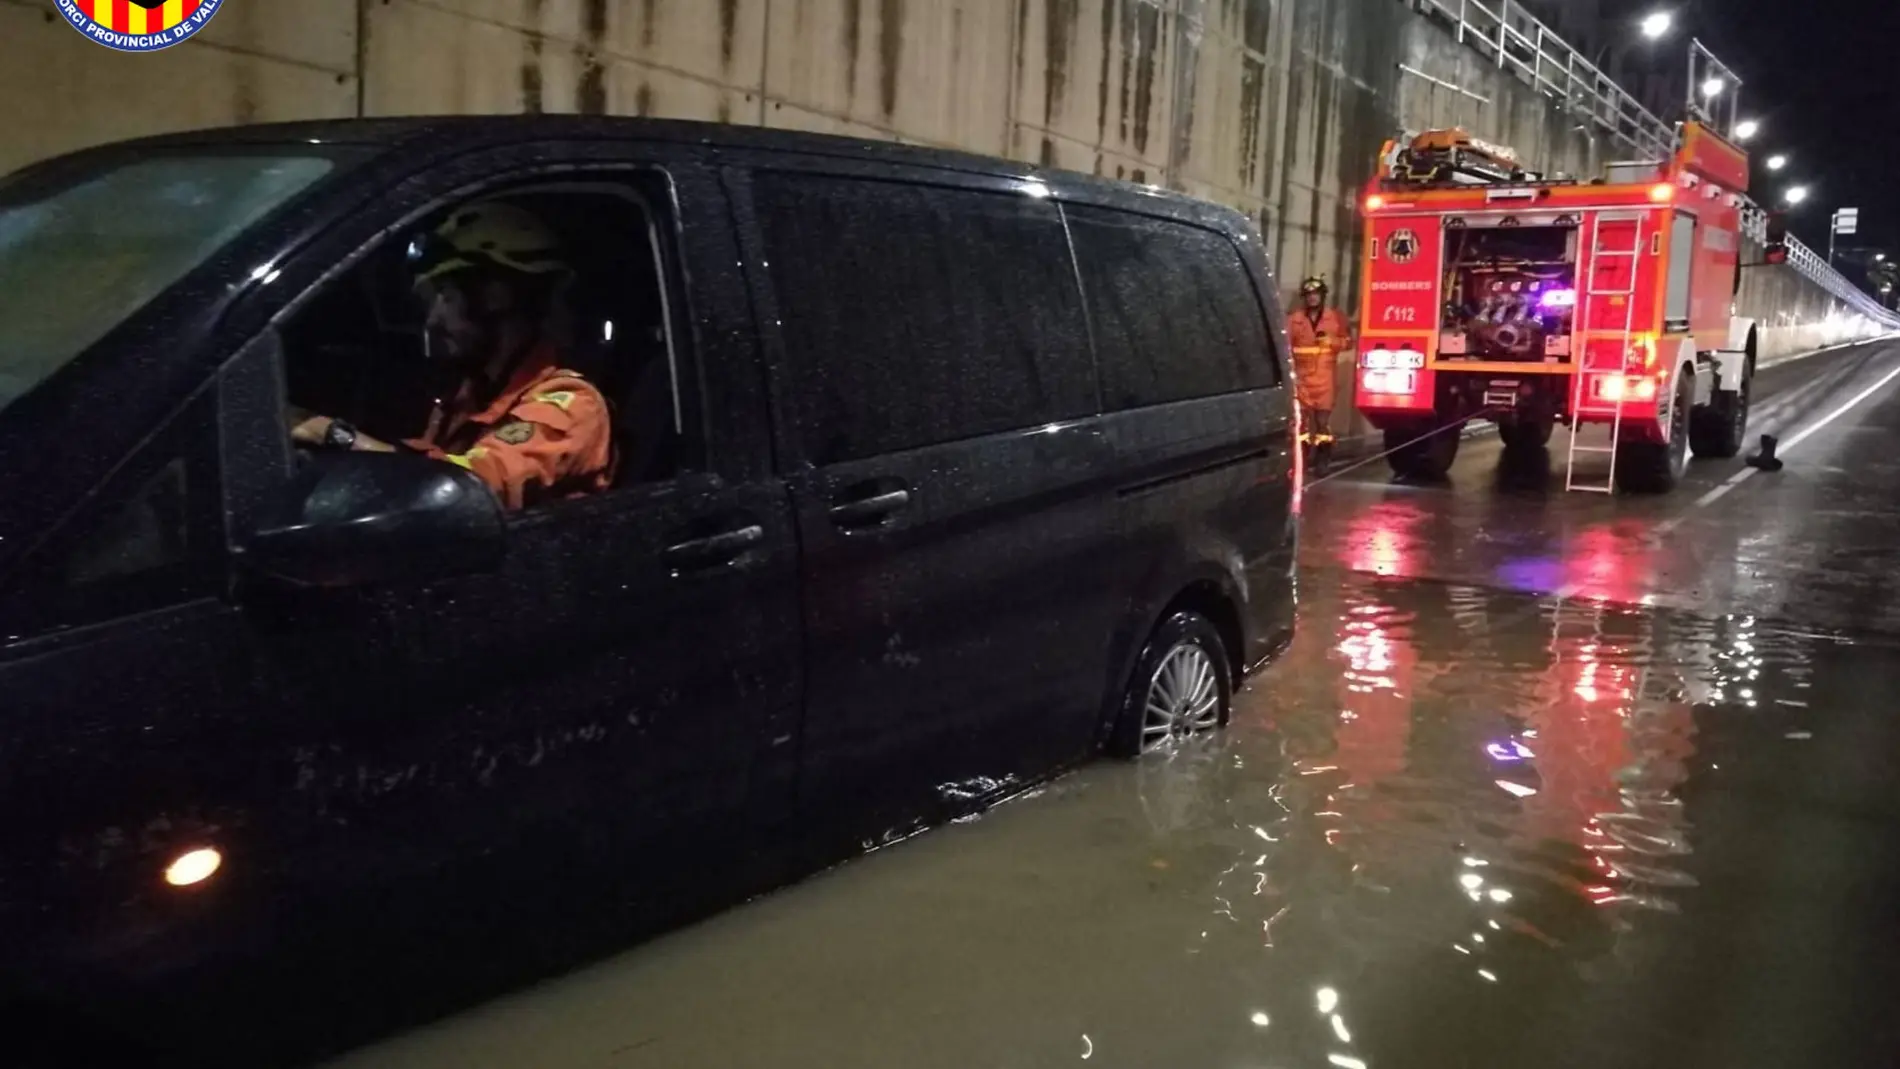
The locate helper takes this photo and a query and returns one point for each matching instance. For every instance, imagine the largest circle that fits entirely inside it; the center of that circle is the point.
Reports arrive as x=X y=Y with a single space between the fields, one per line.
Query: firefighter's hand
x=306 y=428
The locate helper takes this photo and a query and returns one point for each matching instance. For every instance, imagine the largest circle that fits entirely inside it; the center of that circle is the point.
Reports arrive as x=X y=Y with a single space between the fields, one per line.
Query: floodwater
x=1453 y=826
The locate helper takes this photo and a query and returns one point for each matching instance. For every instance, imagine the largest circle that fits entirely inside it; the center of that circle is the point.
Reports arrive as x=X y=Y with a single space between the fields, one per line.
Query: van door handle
x=864 y=511
x=722 y=548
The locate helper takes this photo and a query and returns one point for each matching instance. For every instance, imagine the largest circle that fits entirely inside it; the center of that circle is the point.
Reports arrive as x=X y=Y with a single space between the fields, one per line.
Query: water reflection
x=1453 y=827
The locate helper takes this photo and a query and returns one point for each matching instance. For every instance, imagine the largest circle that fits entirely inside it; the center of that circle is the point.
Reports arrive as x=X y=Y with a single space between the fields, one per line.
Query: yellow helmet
x=488 y=234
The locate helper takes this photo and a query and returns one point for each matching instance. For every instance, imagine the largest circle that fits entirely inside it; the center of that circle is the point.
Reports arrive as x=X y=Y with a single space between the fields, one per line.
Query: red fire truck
x=1604 y=305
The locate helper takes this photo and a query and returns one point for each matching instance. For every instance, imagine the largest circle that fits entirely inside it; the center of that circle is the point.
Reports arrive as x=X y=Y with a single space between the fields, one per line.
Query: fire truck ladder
x=1599 y=254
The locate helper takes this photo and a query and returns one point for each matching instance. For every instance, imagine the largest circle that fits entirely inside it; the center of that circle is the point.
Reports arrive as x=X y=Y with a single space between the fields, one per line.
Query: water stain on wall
x=1187 y=72
x=649 y=23
x=1141 y=46
x=1109 y=9
x=1059 y=25
x=591 y=93
x=1253 y=84
x=532 y=95
x=853 y=37
x=1018 y=71
x=890 y=50
x=728 y=31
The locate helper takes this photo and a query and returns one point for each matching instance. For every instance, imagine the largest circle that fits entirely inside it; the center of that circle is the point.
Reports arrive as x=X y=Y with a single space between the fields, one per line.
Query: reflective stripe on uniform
x=466 y=460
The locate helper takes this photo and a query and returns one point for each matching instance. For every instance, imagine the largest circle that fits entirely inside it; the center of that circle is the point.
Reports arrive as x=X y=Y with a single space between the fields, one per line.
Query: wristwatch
x=339 y=435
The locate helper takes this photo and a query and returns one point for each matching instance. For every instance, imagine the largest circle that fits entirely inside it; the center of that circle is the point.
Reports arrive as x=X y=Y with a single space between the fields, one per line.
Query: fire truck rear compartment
x=1510 y=293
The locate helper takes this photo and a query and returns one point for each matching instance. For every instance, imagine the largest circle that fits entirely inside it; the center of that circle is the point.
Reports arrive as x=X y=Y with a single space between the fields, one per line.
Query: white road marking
x=1732 y=482
x=1745 y=474
x=1841 y=411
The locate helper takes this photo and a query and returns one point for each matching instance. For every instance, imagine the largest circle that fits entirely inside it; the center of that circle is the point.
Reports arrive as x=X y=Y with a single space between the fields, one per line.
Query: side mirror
x=1775 y=251
x=353 y=519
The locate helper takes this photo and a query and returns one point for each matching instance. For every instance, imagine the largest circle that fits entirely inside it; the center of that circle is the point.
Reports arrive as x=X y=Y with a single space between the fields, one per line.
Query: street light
x=1746 y=129
x=1777 y=161
x=1795 y=194
x=1655 y=26
x=1713 y=88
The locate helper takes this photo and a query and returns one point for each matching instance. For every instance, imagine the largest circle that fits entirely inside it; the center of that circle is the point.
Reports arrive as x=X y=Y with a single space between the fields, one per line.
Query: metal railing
x=1531 y=52
x=1814 y=267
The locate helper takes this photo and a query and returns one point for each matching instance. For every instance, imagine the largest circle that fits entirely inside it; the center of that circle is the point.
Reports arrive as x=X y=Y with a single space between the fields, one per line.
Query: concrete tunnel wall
x=1794 y=315
x=1276 y=107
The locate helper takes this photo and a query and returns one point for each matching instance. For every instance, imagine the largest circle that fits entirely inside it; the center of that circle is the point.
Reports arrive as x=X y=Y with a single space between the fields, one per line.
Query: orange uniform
x=548 y=434
x=1316 y=348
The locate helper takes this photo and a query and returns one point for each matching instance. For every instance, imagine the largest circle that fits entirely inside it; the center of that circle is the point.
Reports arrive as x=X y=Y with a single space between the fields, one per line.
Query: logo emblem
x=516 y=432
x=1402 y=246
x=138 y=25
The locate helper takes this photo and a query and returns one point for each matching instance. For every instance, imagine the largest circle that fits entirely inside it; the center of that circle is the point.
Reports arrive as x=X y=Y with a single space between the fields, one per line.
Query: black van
x=938 y=474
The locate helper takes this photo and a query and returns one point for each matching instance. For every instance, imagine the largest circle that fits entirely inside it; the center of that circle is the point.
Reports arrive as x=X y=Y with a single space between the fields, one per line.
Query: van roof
x=452 y=133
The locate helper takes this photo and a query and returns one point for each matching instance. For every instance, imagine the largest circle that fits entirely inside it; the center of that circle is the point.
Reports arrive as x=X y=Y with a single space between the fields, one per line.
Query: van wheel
x=1181 y=687
x=1718 y=429
x=1650 y=468
x=1416 y=452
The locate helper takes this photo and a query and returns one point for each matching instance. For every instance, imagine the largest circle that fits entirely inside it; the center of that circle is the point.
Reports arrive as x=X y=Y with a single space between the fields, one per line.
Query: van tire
x=1718 y=429
x=1415 y=455
x=1184 y=667
x=1656 y=468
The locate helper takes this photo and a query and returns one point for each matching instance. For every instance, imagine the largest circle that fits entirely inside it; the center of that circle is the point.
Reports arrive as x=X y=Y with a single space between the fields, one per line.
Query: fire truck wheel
x=1651 y=468
x=1415 y=452
x=1525 y=432
x=1718 y=429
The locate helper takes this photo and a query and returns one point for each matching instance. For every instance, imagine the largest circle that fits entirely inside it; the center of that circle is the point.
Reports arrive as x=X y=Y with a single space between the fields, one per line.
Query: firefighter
x=1319 y=335
x=491 y=278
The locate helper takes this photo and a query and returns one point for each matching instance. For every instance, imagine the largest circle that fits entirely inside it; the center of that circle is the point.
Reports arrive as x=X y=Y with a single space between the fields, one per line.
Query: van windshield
x=80 y=256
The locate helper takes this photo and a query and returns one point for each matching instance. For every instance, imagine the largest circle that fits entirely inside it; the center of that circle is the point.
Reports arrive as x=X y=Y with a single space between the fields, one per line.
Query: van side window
x=601 y=303
x=153 y=537
x=149 y=531
x=1174 y=309
x=917 y=314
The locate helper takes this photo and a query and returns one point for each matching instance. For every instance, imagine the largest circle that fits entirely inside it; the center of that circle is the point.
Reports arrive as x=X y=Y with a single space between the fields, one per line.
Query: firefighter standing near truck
x=1319 y=333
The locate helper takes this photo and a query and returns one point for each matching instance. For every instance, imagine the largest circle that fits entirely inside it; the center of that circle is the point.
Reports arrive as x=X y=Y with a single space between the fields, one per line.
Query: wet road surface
x=1545 y=780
